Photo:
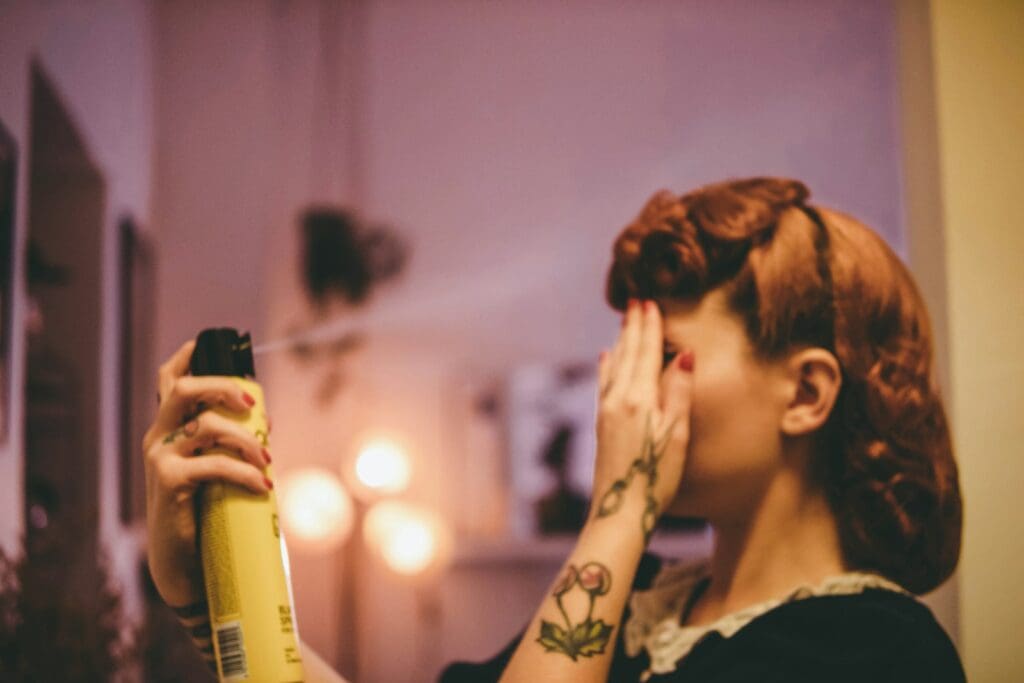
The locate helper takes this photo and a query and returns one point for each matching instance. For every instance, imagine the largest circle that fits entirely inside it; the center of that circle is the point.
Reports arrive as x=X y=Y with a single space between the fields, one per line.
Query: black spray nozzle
x=222 y=351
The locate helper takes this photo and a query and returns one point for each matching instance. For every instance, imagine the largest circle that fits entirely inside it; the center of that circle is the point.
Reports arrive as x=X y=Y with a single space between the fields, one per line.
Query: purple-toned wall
x=98 y=56
x=510 y=141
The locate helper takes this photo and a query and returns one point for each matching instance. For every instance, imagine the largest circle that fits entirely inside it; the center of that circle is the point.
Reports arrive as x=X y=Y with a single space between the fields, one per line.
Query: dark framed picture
x=551 y=416
x=137 y=390
x=8 y=188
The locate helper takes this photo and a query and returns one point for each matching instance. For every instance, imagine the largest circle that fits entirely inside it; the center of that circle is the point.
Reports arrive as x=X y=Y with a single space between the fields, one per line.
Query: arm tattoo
x=647 y=465
x=588 y=637
x=189 y=429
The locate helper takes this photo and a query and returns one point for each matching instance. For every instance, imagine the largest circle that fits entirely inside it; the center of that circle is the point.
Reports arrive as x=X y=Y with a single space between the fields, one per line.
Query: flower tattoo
x=589 y=637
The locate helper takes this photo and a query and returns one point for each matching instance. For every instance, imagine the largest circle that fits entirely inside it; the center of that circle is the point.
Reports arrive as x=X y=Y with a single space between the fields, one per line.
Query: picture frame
x=551 y=430
x=137 y=287
x=8 y=198
x=551 y=422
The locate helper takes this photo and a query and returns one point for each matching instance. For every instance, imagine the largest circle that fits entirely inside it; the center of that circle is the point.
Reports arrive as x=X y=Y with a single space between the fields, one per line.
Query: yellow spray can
x=245 y=562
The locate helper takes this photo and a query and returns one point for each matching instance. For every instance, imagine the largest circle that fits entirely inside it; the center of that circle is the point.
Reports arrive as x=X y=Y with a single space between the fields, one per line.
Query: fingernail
x=266 y=455
x=648 y=306
x=686 y=359
x=270 y=484
x=249 y=400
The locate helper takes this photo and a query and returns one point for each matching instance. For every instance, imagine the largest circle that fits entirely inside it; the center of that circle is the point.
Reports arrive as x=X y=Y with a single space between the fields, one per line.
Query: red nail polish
x=249 y=400
x=266 y=455
x=686 y=360
x=270 y=484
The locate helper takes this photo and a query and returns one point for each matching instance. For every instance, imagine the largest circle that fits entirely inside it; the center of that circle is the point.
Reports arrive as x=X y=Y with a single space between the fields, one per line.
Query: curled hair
x=799 y=275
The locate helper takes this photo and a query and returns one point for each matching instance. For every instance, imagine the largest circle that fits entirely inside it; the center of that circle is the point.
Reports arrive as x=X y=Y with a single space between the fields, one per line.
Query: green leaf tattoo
x=645 y=464
x=590 y=636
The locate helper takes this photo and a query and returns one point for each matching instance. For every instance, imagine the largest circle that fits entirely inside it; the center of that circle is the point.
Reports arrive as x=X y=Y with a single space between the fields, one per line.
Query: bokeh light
x=316 y=510
x=382 y=467
x=409 y=539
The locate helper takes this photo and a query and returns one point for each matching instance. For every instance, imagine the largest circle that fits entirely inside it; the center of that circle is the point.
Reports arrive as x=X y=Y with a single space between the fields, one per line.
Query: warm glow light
x=383 y=467
x=315 y=508
x=411 y=548
x=409 y=539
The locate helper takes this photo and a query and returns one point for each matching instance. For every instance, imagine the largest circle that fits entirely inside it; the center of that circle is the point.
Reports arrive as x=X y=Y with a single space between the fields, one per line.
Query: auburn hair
x=799 y=275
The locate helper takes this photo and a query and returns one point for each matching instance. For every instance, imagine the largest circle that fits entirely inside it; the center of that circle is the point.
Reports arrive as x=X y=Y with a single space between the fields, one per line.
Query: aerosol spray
x=245 y=562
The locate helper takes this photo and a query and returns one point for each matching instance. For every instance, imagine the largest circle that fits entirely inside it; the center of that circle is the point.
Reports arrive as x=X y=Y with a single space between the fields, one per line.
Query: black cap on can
x=222 y=351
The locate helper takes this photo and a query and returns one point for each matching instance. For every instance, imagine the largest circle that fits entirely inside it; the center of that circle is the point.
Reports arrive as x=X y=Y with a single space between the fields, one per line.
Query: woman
x=773 y=376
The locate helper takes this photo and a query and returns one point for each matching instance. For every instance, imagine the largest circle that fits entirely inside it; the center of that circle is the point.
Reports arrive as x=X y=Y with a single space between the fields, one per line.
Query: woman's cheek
x=716 y=403
x=701 y=430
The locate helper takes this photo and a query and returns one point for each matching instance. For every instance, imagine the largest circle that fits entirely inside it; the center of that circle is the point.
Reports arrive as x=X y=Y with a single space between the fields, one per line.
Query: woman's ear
x=813 y=379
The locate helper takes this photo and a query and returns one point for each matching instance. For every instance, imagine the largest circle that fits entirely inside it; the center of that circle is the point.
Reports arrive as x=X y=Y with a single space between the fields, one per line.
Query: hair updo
x=799 y=276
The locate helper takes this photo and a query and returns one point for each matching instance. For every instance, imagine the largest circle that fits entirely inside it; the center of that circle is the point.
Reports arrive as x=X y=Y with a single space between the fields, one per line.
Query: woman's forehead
x=711 y=305
x=687 y=321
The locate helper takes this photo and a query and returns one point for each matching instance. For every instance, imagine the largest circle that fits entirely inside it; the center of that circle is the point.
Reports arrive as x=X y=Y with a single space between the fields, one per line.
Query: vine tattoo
x=647 y=465
x=588 y=637
x=189 y=429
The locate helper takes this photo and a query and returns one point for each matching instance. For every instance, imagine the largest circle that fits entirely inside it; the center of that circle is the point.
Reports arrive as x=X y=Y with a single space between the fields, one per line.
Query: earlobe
x=815 y=380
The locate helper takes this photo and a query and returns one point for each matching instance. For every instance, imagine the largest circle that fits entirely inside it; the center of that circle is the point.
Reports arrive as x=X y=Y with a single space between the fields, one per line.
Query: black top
x=877 y=635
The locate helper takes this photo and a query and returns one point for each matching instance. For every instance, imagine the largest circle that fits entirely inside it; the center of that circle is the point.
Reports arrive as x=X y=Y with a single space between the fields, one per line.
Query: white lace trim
x=654 y=620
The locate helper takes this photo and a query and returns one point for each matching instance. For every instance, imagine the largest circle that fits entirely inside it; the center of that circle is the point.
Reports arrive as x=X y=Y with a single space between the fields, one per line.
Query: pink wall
x=98 y=55
x=510 y=141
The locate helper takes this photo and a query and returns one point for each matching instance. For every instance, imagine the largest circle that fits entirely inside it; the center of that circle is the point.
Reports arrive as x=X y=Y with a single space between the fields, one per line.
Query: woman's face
x=735 y=440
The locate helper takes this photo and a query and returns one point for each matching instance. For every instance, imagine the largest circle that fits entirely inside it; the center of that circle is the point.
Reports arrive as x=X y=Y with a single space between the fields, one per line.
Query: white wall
x=98 y=54
x=978 y=53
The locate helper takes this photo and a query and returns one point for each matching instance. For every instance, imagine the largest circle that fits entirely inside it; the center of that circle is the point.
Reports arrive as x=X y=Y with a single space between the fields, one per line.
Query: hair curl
x=798 y=276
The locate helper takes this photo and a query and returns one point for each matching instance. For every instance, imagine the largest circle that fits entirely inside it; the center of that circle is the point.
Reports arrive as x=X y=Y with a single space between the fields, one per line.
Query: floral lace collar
x=654 y=620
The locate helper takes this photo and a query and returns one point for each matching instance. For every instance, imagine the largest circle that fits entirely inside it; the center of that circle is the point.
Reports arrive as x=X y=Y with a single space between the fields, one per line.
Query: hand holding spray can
x=245 y=562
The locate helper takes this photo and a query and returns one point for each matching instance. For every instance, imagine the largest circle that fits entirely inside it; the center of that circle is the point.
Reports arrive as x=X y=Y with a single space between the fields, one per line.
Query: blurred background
x=411 y=205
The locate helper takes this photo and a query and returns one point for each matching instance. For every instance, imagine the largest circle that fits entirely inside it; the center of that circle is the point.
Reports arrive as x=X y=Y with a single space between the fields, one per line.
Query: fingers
x=676 y=392
x=648 y=362
x=188 y=396
x=636 y=360
x=211 y=430
x=193 y=471
x=624 y=355
x=174 y=367
x=211 y=390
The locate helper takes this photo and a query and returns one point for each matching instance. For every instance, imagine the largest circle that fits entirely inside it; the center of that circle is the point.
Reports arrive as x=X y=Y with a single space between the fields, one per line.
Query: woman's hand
x=175 y=467
x=643 y=422
x=643 y=427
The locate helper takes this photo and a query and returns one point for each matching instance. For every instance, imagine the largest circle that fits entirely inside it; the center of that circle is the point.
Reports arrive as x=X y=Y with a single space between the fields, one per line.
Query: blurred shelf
x=476 y=552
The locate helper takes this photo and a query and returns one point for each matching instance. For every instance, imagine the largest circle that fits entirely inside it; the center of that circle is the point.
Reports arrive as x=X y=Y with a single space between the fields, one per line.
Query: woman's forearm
x=572 y=634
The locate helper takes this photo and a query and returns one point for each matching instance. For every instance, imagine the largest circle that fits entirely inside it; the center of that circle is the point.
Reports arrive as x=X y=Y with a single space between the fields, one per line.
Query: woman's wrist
x=622 y=526
x=192 y=611
x=177 y=584
x=572 y=635
x=195 y=619
x=180 y=595
x=619 y=533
